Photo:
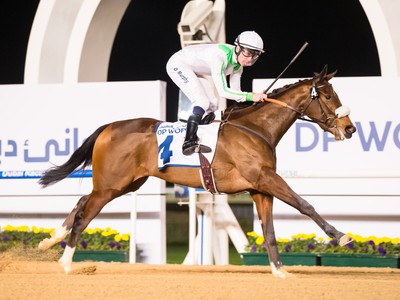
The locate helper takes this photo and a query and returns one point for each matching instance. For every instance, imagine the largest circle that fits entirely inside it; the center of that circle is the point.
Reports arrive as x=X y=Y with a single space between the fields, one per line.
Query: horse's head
x=325 y=107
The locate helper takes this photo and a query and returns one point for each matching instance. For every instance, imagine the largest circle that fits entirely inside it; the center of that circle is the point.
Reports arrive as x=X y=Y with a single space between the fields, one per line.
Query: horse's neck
x=280 y=118
x=273 y=120
x=277 y=121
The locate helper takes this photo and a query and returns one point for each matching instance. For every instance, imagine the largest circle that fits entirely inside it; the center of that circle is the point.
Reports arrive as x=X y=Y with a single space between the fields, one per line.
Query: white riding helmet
x=250 y=40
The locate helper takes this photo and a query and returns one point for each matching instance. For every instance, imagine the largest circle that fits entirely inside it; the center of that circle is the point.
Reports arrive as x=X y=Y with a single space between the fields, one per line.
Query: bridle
x=328 y=115
x=328 y=121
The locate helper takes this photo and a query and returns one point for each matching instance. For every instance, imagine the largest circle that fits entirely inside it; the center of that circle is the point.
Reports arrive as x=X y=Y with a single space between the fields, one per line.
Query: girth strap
x=206 y=175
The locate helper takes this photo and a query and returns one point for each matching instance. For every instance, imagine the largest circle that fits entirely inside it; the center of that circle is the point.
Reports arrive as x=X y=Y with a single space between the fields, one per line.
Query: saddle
x=170 y=154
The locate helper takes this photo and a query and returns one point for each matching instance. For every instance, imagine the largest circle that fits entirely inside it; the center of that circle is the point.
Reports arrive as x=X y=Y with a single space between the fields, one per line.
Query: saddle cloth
x=170 y=137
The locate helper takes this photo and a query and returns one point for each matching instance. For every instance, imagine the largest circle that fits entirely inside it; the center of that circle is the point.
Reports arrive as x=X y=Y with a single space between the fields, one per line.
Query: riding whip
x=292 y=61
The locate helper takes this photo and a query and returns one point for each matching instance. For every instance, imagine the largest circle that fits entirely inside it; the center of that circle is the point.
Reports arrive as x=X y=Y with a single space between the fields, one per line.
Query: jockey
x=188 y=65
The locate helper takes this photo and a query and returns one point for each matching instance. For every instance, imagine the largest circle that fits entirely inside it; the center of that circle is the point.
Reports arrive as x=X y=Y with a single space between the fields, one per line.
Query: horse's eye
x=328 y=97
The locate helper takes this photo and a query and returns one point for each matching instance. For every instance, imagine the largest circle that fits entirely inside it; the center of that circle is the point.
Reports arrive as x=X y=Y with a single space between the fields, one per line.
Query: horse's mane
x=239 y=108
x=279 y=91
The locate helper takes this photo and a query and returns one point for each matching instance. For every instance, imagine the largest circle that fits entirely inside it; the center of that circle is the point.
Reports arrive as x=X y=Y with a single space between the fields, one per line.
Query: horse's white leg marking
x=344 y=240
x=277 y=273
x=66 y=259
x=56 y=237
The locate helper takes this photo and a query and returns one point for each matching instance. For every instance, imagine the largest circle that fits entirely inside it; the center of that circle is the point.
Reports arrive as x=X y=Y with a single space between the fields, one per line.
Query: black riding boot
x=191 y=145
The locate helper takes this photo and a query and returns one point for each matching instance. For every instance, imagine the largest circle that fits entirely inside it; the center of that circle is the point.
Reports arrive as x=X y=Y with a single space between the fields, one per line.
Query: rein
x=314 y=95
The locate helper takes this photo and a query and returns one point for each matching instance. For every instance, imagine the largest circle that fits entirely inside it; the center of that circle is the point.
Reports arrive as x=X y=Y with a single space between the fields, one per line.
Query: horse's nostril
x=350 y=129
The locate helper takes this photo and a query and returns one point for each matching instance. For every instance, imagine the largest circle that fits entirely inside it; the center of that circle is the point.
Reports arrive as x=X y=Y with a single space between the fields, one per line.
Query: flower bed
x=288 y=259
x=362 y=251
x=360 y=260
x=90 y=239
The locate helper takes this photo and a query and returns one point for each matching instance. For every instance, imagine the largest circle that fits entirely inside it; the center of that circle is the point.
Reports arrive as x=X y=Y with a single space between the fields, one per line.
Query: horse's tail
x=82 y=156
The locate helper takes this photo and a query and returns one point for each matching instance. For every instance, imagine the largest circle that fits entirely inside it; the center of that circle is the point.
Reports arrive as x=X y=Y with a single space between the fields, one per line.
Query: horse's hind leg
x=60 y=233
x=273 y=184
x=82 y=217
x=87 y=212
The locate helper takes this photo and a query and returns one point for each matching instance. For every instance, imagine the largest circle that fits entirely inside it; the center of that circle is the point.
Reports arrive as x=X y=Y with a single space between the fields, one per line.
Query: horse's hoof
x=45 y=244
x=279 y=273
x=66 y=266
x=344 y=240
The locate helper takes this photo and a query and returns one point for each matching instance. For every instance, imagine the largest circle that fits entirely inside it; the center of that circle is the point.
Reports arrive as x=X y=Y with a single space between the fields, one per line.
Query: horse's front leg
x=272 y=183
x=264 y=205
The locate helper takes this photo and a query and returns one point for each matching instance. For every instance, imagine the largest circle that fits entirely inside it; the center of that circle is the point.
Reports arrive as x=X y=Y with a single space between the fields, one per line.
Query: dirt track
x=26 y=279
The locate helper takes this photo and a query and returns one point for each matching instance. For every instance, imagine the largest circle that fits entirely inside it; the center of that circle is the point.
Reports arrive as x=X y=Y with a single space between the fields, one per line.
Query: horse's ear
x=320 y=76
x=330 y=76
x=324 y=71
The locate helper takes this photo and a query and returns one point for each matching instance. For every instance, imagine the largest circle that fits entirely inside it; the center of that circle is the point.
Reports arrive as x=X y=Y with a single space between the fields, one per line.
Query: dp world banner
x=373 y=151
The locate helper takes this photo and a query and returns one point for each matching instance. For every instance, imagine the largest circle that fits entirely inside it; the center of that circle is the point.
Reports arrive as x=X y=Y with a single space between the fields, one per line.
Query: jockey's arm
x=234 y=83
x=233 y=92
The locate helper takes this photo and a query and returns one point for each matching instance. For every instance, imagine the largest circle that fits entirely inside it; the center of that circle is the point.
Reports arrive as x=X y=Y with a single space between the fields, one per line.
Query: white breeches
x=197 y=88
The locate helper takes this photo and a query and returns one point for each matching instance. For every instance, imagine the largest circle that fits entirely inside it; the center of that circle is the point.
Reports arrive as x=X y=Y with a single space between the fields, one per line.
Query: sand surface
x=26 y=278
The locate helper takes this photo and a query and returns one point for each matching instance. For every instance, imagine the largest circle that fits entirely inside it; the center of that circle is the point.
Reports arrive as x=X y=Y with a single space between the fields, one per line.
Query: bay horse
x=124 y=154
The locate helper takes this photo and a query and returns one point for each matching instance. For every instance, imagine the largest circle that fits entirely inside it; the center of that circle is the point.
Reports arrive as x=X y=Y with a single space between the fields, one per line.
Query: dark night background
x=337 y=31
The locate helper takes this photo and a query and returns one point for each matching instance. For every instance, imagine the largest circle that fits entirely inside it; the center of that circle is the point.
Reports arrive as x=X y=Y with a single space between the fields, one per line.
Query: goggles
x=254 y=54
